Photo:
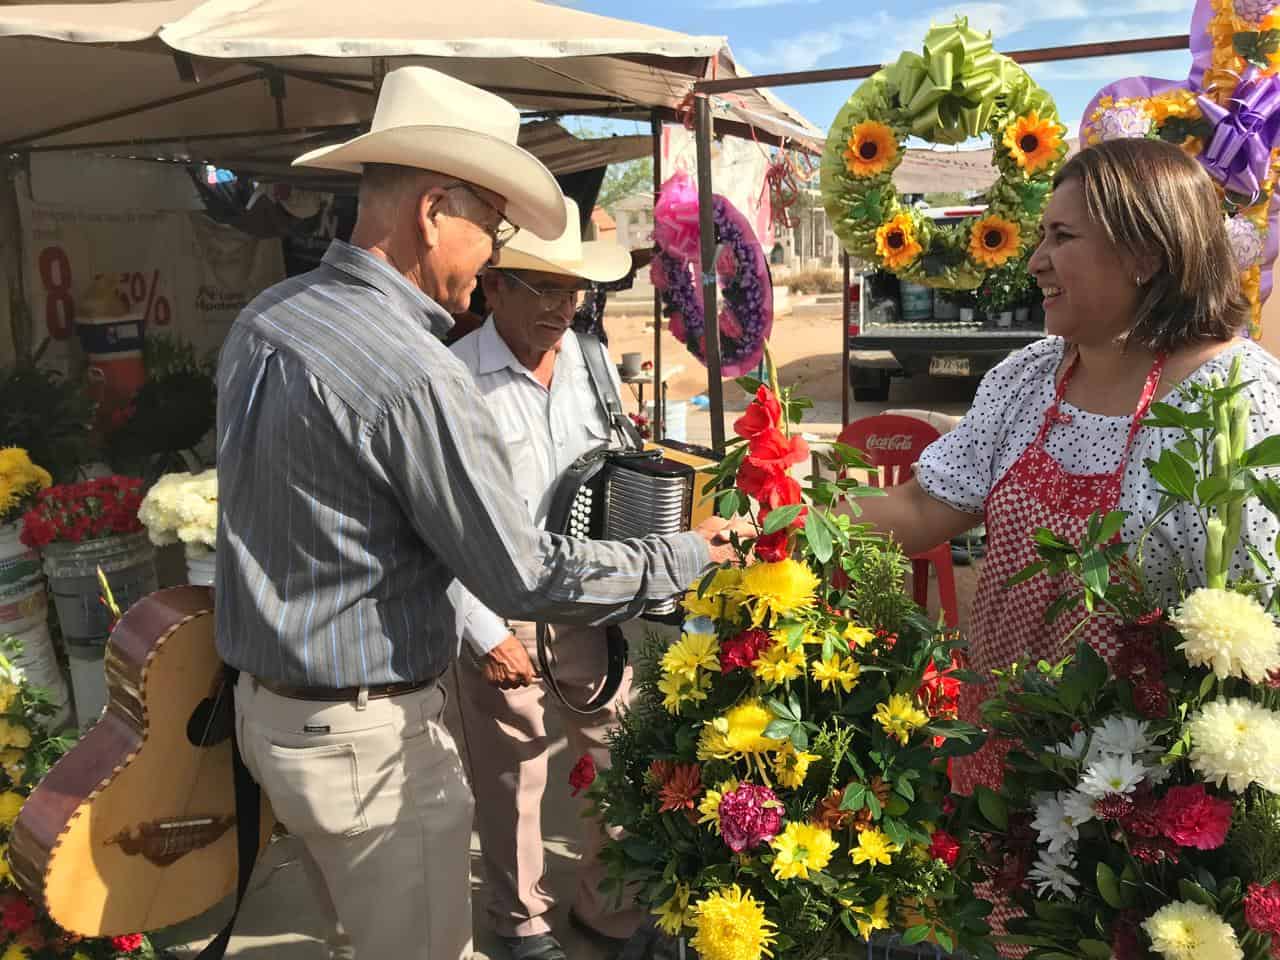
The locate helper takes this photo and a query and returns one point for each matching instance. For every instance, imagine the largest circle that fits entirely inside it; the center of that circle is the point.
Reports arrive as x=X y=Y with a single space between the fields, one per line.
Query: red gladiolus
x=582 y=775
x=1262 y=908
x=764 y=413
x=769 y=485
x=1190 y=817
x=944 y=847
x=772 y=547
x=774 y=448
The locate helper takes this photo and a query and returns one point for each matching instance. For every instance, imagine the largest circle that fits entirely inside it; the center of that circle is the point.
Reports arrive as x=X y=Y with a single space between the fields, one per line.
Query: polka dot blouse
x=963 y=466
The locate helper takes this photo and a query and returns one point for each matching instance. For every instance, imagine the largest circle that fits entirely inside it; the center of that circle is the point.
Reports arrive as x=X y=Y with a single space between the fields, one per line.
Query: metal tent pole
x=707 y=227
x=845 y=313
x=659 y=396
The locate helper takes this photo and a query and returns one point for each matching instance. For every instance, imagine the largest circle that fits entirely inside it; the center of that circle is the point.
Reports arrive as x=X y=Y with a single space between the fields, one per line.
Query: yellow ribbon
x=950 y=91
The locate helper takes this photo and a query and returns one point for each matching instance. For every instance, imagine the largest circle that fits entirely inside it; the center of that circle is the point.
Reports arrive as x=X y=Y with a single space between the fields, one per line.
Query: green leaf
x=1060 y=606
x=1174 y=474
x=1026 y=573
x=799 y=737
x=1206 y=685
x=854 y=797
x=1112 y=524
x=1192 y=891
x=781 y=517
x=1109 y=886
x=781 y=709
x=916 y=934
x=1265 y=453
x=904 y=788
x=992 y=807
x=749 y=384
x=817 y=534
x=944 y=940
x=1044 y=537
x=1095 y=949
x=779 y=729
x=873 y=804
x=1096 y=573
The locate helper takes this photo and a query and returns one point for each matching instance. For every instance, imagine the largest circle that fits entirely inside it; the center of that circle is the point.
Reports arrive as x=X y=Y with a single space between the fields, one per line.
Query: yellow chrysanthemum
x=871 y=148
x=777 y=589
x=731 y=925
x=15 y=951
x=1191 y=931
x=10 y=804
x=900 y=716
x=836 y=671
x=718 y=600
x=874 y=847
x=993 y=240
x=6 y=876
x=691 y=653
x=801 y=847
x=896 y=242
x=14 y=734
x=779 y=664
x=1173 y=103
x=738 y=733
x=14 y=764
x=8 y=693
x=677 y=690
x=791 y=766
x=709 y=806
x=857 y=636
x=674 y=914
x=1033 y=143
x=870 y=919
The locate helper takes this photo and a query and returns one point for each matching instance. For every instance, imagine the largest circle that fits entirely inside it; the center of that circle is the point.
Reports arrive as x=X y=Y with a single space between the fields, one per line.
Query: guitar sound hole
x=211 y=722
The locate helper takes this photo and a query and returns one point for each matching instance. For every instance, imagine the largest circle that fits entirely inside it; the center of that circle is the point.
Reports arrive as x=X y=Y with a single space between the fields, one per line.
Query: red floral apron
x=1008 y=622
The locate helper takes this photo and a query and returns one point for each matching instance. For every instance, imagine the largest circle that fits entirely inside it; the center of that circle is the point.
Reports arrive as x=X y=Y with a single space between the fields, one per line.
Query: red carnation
x=944 y=847
x=740 y=651
x=18 y=914
x=127 y=943
x=764 y=413
x=582 y=775
x=1262 y=908
x=1190 y=817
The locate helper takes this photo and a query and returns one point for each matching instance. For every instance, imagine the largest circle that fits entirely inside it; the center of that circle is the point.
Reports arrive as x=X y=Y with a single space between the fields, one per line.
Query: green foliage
x=48 y=415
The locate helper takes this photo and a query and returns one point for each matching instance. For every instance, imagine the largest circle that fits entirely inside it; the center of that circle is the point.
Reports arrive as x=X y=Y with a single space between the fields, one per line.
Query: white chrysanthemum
x=1077 y=806
x=1190 y=931
x=1112 y=774
x=1054 y=872
x=1237 y=742
x=182 y=507
x=1229 y=633
x=1121 y=735
x=1075 y=748
x=1054 y=828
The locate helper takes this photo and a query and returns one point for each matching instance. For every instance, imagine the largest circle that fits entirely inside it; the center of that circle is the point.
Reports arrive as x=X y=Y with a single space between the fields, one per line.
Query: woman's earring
x=1138 y=280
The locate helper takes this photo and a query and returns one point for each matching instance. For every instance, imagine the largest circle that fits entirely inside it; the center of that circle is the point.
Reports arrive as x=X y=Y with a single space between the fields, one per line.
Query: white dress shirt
x=546 y=430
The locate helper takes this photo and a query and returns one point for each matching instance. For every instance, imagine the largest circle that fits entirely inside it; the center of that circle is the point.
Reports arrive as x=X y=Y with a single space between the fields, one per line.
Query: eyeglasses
x=548 y=300
x=503 y=231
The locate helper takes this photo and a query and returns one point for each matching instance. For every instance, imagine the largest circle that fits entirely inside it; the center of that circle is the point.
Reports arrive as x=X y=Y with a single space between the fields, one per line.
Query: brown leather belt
x=377 y=691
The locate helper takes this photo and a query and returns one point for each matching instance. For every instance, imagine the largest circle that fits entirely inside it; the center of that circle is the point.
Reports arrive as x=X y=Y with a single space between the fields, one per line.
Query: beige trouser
x=377 y=794
x=505 y=735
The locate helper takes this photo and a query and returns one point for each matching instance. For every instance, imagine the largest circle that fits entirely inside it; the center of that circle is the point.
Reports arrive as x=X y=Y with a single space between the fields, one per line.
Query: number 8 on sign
x=60 y=306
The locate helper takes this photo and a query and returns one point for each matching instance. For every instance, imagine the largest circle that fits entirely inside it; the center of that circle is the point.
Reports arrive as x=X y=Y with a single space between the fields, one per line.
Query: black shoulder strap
x=594 y=355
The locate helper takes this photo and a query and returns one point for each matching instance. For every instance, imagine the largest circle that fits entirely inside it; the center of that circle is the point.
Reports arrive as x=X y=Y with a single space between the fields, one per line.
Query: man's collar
x=384 y=278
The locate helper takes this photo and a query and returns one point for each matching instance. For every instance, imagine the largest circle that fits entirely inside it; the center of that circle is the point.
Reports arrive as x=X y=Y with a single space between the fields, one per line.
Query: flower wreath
x=957 y=89
x=1226 y=114
x=746 y=290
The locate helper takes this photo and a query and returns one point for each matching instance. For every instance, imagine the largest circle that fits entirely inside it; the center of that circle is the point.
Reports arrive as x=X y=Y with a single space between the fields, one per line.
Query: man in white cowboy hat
x=358 y=477
x=531 y=369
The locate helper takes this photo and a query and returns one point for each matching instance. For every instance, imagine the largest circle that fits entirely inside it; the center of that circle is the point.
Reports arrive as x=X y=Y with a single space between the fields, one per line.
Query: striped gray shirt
x=359 y=473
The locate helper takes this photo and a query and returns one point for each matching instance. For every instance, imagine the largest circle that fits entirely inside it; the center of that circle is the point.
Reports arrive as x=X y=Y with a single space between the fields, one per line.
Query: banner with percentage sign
x=179 y=272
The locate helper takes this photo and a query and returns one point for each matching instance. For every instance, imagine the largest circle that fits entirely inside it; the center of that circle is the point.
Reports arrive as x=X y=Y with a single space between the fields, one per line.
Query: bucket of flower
x=779 y=784
x=1142 y=795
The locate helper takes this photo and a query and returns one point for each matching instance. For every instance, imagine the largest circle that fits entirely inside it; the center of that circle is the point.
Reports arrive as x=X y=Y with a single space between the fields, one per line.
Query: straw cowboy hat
x=567 y=255
x=432 y=121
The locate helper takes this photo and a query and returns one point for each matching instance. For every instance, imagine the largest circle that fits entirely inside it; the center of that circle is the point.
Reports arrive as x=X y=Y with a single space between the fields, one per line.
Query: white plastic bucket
x=40 y=664
x=18 y=562
x=200 y=569
x=23 y=606
x=88 y=680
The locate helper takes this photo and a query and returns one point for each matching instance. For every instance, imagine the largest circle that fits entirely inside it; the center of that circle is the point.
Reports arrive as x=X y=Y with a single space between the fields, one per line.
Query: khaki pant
x=377 y=794
x=505 y=735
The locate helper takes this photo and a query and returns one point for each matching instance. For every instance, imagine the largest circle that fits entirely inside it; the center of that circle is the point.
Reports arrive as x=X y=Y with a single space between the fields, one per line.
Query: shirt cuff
x=485 y=630
x=692 y=556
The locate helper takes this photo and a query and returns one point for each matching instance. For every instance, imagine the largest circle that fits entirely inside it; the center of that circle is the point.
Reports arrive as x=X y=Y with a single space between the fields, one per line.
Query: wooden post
x=706 y=224
x=12 y=264
x=659 y=407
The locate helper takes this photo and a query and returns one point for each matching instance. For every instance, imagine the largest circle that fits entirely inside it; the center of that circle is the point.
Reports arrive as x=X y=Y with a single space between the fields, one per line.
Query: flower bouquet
x=20 y=482
x=780 y=781
x=26 y=754
x=1143 y=794
x=77 y=512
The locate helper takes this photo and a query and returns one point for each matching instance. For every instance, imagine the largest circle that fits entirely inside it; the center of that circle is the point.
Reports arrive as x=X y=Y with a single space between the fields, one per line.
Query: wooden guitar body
x=134 y=828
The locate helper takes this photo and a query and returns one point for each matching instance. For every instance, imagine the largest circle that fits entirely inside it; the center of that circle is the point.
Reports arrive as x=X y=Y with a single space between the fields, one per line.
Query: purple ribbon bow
x=1244 y=133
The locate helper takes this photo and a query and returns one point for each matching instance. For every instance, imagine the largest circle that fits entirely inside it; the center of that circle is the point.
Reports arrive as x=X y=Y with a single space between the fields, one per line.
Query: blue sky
x=776 y=35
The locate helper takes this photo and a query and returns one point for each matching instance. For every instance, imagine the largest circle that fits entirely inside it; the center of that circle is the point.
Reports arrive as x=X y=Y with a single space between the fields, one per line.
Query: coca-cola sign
x=896 y=441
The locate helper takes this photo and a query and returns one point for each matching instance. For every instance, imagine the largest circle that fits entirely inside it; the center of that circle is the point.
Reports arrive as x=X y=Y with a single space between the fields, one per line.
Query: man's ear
x=428 y=220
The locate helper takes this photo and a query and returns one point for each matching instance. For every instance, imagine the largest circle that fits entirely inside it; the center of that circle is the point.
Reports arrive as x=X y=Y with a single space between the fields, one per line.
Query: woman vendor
x=1141 y=294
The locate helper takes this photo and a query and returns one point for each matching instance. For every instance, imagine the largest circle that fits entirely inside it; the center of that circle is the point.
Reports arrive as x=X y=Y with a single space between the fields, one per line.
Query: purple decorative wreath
x=746 y=291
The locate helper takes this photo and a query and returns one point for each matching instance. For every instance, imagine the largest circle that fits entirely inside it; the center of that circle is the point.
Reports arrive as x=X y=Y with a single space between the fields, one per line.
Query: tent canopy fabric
x=949 y=171
x=219 y=80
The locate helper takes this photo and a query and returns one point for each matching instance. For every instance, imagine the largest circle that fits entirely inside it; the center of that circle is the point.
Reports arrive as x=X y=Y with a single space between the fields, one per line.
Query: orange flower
x=896 y=242
x=872 y=147
x=682 y=790
x=1032 y=142
x=994 y=240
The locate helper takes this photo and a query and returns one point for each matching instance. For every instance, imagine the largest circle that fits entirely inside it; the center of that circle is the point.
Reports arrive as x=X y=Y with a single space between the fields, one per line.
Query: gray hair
x=388 y=189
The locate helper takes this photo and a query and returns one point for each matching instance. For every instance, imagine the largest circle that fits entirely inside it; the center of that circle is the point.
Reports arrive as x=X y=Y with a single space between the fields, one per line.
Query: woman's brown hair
x=1155 y=201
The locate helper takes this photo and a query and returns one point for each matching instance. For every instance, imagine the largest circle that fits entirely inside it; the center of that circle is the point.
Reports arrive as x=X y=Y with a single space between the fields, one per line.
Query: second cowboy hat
x=432 y=121
x=568 y=255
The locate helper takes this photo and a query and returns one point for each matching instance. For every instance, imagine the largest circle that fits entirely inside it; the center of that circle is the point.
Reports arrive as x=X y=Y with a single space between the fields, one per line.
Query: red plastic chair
x=892 y=444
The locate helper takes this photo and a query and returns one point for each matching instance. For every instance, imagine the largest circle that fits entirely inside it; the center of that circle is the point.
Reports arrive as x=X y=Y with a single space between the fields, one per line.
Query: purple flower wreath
x=746 y=290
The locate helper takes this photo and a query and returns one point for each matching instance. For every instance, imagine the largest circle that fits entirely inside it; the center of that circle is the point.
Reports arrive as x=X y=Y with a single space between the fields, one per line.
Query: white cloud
x=800 y=52
x=1173 y=65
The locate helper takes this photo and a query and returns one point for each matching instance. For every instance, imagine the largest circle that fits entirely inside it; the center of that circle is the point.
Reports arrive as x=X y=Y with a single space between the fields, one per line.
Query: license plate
x=949 y=366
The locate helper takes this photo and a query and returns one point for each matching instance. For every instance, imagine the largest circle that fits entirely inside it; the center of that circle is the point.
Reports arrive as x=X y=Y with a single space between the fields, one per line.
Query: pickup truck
x=883 y=345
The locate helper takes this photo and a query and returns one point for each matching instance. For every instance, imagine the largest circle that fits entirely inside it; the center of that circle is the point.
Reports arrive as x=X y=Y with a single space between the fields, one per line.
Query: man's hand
x=508 y=665
x=717 y=532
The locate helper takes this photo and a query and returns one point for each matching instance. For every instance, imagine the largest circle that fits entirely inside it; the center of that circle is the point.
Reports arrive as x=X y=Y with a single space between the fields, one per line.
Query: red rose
x=1262 y=908
x=582 y=775
x=18 y=915
x=763 y=413
x=944 y=847
x=772 y=547
x=1190 y=817
x=128 y=943
x=740 y=651
x=773 y=448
